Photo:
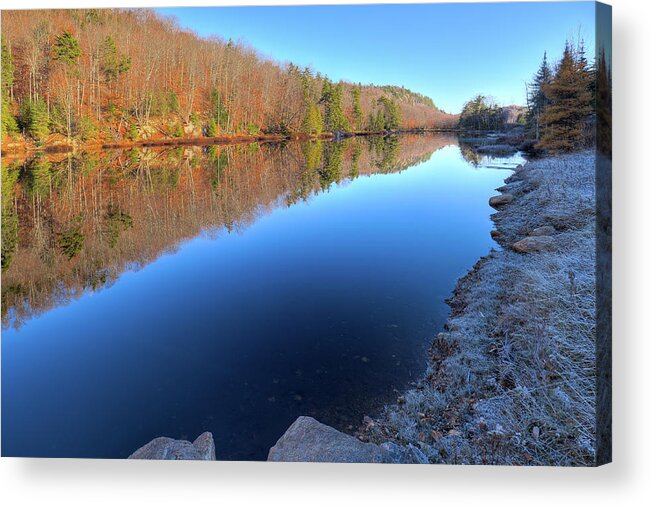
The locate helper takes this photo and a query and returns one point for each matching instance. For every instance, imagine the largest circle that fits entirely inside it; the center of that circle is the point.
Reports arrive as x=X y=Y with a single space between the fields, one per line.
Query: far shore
x=61 y=144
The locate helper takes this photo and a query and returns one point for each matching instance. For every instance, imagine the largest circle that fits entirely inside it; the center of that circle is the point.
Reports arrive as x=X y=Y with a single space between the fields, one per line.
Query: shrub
x=133 y=134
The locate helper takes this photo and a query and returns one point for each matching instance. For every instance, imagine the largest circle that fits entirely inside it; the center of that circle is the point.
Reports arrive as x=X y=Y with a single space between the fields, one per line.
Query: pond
x=228 y=288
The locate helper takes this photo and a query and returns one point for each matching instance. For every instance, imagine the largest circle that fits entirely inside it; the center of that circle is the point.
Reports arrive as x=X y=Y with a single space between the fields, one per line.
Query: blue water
x=324 y=308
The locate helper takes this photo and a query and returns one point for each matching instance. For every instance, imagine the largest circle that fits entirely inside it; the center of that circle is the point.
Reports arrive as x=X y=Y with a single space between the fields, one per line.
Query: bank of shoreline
x=511 y=379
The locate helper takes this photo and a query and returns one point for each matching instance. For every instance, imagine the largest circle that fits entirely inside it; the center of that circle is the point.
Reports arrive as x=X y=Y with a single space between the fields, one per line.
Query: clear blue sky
x=447 y=51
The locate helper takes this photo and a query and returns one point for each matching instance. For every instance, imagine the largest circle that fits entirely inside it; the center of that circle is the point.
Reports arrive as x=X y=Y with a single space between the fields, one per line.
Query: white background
x=626 y=481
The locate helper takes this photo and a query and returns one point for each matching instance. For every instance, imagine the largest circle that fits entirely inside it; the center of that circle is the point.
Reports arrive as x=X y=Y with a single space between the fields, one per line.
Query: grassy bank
x=511 y=380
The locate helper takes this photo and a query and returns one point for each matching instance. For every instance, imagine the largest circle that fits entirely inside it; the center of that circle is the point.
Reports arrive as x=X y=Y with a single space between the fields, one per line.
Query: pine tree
x=564 y=119
x=112 y=62
x=67 y=51
x=313 y=122
x=219 y=111
x=9 y=125
x=334 y=119
x=357 y=107
x=537 y=101
x=35 y=119
x=390 y=112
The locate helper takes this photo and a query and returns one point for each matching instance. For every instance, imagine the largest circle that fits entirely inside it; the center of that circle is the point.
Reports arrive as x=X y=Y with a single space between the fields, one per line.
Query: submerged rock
x=532 y=244
x=500 y=200
x=165 y=448
x=496 y=149
x=308 y=440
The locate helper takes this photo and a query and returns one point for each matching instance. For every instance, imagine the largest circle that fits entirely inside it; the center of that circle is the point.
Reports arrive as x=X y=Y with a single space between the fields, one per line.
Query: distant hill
x=118 y=75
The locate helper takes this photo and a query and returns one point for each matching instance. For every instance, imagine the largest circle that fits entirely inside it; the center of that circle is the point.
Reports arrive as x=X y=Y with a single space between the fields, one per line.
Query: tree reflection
x=75 y=222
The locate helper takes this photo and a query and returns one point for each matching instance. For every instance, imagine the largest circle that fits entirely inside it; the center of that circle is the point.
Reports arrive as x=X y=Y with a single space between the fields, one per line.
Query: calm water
x=230 y=290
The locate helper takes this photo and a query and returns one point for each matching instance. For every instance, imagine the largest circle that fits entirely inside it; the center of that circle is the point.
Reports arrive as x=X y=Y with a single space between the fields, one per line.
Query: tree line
x=564 y=103
x=114 y=74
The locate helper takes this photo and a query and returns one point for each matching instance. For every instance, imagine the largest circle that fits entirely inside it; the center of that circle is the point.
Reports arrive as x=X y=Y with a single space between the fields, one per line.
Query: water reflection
x=75 y=222
x=231 y=289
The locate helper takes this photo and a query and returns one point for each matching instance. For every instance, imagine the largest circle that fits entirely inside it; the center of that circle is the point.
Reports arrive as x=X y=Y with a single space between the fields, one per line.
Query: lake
x=228 y=288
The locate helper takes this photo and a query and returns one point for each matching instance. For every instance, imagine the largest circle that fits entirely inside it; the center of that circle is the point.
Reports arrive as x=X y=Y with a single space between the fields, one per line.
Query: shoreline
x=60 y=144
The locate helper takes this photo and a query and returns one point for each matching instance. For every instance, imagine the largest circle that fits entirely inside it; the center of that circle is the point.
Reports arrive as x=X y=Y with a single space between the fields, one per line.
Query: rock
x=308 y=440
x=532 y=244
x=396 y=454
x=165 y=448
x=546 y=230
x=500 y=200
x=189 y=130
x=495 y=234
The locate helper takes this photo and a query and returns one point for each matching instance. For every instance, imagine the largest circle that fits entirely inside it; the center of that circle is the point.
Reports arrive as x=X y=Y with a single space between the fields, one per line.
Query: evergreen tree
x=537 y=101
x=112 y=62
x=219 y=112
x=313 y=122
x=35 y=119
x=565 y=118
x=481 y=113
x=9 y=125
x=390 y=112
x=67 y=51
x=334 y=120
x=357 y=107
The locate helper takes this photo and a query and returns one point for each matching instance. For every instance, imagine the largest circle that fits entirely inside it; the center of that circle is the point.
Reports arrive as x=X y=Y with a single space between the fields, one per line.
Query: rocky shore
x=511 y=379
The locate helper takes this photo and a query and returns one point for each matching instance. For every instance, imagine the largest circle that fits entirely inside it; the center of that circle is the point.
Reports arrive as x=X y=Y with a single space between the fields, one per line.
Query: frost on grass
x=512 y=378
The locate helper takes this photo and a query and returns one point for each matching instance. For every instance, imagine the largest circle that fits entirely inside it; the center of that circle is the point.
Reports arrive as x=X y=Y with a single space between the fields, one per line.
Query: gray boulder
x=500 y=200
x=308 y=440
x=546 y=230
x=533 y=244
x=165 y=448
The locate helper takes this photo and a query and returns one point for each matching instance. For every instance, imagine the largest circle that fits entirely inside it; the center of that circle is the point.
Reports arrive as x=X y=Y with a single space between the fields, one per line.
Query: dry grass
x=512 y=379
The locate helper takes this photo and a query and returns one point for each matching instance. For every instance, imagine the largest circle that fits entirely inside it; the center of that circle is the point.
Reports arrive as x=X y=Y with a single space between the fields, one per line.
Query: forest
x=94 y=76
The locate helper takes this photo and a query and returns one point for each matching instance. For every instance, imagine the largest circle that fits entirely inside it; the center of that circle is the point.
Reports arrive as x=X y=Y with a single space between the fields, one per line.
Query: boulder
x=532 y=244
x=308 y=440
x=500 y=200
x=546 y=230
x=496 y=234
x=190 y=130
x=165 y=448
